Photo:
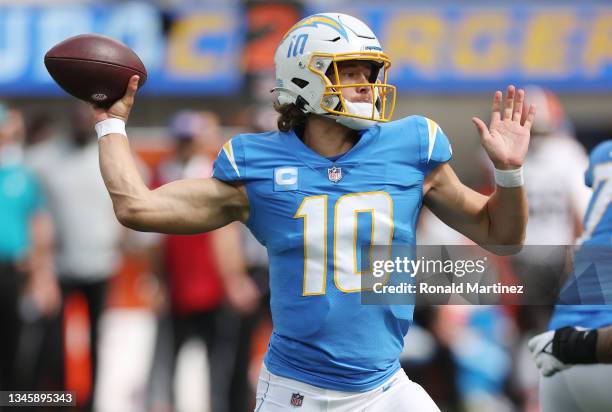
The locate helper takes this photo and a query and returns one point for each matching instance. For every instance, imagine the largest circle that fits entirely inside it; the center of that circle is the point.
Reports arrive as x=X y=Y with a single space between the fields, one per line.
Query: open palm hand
x=507 y=137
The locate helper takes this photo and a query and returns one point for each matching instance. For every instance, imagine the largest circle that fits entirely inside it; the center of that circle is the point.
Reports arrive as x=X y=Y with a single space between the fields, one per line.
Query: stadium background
x=448 y=58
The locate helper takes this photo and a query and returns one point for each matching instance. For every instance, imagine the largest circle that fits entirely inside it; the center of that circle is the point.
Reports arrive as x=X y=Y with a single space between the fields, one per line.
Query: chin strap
x=360 y=109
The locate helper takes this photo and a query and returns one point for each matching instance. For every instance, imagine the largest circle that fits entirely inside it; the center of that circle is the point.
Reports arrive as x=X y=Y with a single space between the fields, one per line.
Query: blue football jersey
x=592 y=280
x=311 y=213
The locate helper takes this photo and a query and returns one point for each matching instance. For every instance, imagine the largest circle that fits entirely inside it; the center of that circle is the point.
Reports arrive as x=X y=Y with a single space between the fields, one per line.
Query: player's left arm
x=499 y=219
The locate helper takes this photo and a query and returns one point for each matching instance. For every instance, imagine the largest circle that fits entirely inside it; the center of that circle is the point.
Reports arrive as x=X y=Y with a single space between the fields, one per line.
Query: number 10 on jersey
x=314 y=211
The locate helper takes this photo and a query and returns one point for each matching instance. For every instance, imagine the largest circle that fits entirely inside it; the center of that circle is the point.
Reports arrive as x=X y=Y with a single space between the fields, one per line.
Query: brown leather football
x=94 y=68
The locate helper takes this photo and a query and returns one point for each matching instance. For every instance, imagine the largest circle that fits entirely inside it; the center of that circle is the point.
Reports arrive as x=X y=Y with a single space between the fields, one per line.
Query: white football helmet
x=307 y=69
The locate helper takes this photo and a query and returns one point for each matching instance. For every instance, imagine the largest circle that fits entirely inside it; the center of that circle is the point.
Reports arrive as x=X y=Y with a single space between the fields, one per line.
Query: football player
x=336 y=165
x=581 y=334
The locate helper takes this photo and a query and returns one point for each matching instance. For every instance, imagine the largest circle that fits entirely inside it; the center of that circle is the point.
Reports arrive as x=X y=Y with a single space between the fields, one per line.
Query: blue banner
x=199 y=54
x=447 y=48
x=469 y=48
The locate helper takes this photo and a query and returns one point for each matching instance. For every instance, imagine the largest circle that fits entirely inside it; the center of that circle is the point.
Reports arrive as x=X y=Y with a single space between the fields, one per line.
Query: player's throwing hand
x=506 y=139
x=121 y=108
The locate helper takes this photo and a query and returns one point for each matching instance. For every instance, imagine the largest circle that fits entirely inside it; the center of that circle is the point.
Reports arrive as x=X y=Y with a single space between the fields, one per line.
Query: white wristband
x=111 y=125
x=509 y=178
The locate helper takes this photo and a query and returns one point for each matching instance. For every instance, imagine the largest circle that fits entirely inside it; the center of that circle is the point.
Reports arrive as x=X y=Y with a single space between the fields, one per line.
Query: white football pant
x=397 y=394
x=581 y=388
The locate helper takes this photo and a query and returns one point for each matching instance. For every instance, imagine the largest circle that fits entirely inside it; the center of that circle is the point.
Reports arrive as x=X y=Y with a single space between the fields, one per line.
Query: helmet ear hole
x=301 y=83
x=301 y=103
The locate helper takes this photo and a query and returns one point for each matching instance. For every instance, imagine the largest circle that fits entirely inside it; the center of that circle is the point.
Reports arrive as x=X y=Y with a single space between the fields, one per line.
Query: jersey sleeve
x=230 y=165
x=434 y=147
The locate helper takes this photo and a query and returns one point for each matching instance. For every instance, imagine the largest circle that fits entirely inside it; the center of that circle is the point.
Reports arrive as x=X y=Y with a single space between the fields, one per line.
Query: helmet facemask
x=355 y=115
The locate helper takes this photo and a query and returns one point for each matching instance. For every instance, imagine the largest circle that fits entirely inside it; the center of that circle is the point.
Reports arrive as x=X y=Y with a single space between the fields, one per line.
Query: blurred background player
x=197 y=273
x=26 y=255
x=583 y=387
x=555 y=164
x=27 y=273
x=554 y=180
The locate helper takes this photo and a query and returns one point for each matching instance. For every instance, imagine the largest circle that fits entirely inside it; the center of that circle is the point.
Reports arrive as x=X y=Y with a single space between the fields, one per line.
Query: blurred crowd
x=89 y=306
x=63 y=255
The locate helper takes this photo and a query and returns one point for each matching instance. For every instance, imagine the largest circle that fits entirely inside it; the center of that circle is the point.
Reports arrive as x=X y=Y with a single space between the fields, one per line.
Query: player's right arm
x=181 y=207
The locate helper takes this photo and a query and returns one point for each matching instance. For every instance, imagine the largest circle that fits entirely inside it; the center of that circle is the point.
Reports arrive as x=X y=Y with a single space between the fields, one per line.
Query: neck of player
x=327 y=137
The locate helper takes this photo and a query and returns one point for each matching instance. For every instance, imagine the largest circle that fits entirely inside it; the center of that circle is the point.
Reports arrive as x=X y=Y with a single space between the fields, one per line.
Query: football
x=94 y=68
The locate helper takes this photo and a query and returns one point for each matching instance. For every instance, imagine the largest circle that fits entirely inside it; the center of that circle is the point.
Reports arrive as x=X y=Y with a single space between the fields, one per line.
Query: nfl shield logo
x=297 y=399
x=334 y=174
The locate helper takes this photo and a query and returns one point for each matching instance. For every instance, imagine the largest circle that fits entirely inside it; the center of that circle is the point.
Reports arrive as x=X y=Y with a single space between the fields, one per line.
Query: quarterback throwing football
x=336 y=162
